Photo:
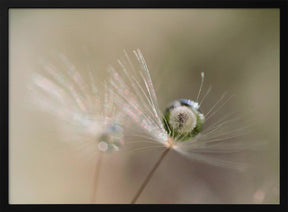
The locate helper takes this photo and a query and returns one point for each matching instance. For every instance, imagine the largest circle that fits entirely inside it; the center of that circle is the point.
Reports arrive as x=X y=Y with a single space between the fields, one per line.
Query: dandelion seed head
x=183 y=119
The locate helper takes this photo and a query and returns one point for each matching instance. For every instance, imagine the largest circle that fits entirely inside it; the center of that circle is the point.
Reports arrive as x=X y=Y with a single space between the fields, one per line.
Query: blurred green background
x=238 y=49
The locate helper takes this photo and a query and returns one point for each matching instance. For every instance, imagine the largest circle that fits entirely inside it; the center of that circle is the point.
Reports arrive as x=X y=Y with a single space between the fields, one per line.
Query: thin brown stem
x=96 y=177
x=147 y=179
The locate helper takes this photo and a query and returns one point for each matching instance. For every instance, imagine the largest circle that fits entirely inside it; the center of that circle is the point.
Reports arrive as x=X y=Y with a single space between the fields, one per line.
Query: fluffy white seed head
x=182 y=119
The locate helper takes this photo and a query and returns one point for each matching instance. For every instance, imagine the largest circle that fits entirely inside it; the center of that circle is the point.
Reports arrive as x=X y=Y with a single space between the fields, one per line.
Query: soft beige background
x=238 y=49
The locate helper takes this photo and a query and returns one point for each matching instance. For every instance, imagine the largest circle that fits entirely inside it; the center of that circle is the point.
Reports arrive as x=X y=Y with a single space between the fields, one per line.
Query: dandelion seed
x=84 y=115
x=181 y=127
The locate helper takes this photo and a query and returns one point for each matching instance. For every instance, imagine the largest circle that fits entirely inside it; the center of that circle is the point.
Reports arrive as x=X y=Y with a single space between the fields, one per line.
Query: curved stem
x=147 y=179
x=96 y=177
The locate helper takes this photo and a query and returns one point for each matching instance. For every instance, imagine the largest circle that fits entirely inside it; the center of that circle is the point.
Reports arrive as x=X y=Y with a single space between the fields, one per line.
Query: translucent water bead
x=183 y=120
x=111 y=139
